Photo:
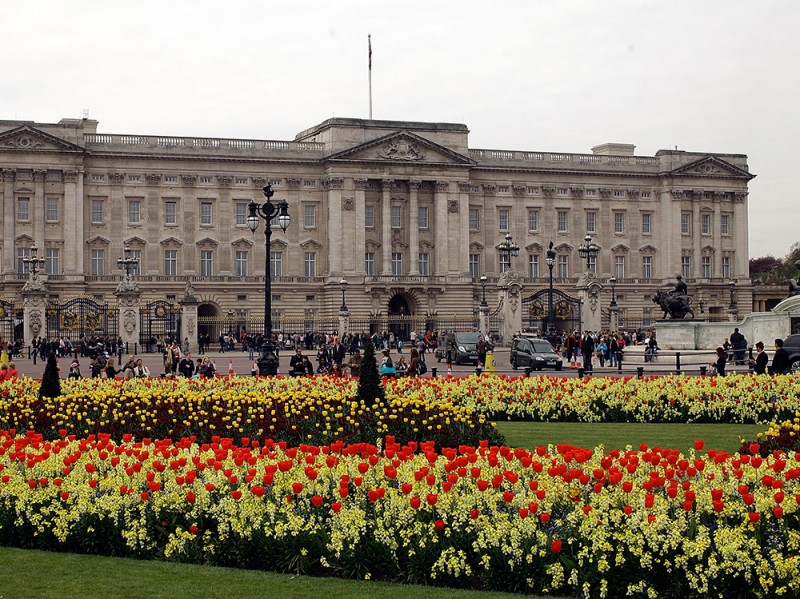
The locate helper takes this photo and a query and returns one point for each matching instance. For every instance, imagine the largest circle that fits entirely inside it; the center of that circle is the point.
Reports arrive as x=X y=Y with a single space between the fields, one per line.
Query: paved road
x=242 y=365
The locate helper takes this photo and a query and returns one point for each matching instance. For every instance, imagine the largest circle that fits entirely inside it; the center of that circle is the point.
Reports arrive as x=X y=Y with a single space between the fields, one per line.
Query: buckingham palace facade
x=406 y=212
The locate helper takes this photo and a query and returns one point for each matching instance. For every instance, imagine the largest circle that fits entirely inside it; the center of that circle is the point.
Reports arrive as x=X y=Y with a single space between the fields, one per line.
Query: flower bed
x=642 y=522
x=295 y=410
x=745 y=399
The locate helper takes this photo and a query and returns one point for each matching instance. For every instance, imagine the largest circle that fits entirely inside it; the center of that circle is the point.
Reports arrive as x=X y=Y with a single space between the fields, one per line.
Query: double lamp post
x=268 y=212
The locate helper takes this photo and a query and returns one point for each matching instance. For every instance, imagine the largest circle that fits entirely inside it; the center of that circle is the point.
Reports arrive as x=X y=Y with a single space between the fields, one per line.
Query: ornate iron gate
x=566 y=309
x=158 y=319
x=82 y=316
x=8 y=321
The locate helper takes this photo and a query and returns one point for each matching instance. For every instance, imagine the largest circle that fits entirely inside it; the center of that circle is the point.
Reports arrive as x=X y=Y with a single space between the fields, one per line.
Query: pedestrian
x=718 y=366
x=780 y=361
x=759 y=363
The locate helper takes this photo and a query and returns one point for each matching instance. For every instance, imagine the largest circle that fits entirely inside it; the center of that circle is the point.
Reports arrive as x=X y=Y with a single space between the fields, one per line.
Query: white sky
x=548 y=75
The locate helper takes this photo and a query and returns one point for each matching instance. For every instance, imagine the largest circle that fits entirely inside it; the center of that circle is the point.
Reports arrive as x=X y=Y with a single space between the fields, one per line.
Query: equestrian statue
x=676 y=303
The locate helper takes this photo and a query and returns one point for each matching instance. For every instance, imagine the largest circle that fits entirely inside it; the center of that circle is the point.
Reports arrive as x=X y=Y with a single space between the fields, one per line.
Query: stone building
x=407 y=212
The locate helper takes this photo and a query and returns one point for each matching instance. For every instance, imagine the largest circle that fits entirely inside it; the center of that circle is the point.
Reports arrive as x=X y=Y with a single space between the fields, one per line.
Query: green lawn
x=618 y=435
x=39 y=574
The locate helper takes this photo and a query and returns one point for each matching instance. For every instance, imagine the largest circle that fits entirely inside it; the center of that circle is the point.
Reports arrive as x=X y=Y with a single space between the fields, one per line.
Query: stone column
x=336 y=233
x=386 y=228
x=9 y=251
x=413 y=231
x=442 y=233
x=73 y=216
x=34 y=302
x=360 y=237
x=38 y=209
x=189 y=317
x=463 y=228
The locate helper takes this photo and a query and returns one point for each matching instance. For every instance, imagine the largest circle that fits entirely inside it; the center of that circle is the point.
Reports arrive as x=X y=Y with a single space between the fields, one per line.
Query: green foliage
x=370 y=389
x=51 y=383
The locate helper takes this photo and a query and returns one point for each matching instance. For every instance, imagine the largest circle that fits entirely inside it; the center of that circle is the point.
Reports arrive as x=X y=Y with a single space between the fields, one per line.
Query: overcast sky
x=554 y=75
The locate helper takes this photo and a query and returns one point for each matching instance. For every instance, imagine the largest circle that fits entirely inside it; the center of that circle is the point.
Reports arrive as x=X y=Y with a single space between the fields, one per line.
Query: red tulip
x=237 y=495
x=336 y=506
x=748 y=498
x=754 y=517
x=777 y=511
x=439 y=524
x=508 y=496
x=627 y=486
x=432 y=498
x=699 y=444
x=415 y=502
x=316 y=500
x=555 y=546
x=627 y=509
x=144 y=495
x=474 y=514
x=64 y=495
x=190 y=497
x=193 y=529
x=544 y=517
x=754 y=448
x=257 y=490
x=297 y=488
x=719 y=506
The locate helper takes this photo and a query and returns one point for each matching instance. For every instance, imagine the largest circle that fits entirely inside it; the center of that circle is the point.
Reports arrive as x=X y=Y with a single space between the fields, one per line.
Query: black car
x=534 y=353
x=466 y=349
x=792 y=345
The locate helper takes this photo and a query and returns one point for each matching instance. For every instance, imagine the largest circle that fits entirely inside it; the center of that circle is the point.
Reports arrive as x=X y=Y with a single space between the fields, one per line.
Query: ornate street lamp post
x=230 y=322
x=128 y=263
x=343 y=285
x=509 y=249
x=613 y=308
x=551 y=317
x=267 y=360
x=589 y=250
x=484 y=280
x=33 y=262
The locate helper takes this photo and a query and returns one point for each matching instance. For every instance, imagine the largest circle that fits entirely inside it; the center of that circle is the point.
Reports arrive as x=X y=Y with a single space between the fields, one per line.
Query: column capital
x=361 y=184
x=414 y=184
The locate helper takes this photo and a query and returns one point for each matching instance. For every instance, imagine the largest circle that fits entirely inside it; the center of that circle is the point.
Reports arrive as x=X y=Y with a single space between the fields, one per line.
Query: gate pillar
x=511 y=308
x=589 y=292
x=189 y=317
x=34 y=302
x=344 y=323
x=128 y=295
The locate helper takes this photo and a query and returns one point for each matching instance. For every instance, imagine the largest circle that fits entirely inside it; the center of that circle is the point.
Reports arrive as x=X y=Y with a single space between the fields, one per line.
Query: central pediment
x=30 y=139
x=402 y=147
x=712 y=166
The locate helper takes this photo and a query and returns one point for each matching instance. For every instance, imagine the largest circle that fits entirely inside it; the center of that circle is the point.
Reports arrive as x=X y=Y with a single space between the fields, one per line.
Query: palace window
x=647 y=267
x=206 y=263
x=98 y=259
x=475 y=265
x=422 y=217
x=533 y=266
x=561 y=219
x=705 y=267
x=562 y=263
x=533 y=220
x=97 y=212
x=23 y=209
x=52 y=210
x=206 y=213
x=397 y=263
x=686 y=267
x=619 y=267
x=502 y=219
x=369 y=264
x=171 y=263
x=591 y=222
x=474 y=219
x=424 y=261
x=369 y=215
x=309 y=216
x=397 y=217
x=242 y=211
x=686 y=223
x=705 y=224
x=51 y=266
x=725 y=224
x=275 y=263
x=726 y=267
x=241 y=263
x=310 y=264
x=134 y=212
x=647 y=223
x=619 y=222
x=170 y=213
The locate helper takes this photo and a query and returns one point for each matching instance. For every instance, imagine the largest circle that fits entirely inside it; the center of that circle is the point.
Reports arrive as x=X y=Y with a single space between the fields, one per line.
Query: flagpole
x=369 y=45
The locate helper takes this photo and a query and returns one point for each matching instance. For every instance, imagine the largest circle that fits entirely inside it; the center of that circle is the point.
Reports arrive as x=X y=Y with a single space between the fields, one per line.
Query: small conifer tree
x=370 y=388
x=51 y=383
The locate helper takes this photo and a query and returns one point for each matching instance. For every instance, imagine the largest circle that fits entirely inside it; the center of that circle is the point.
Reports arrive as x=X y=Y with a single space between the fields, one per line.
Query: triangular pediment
x=711 y=166
x=135 y=241
x=30 y=139
x=402 y=147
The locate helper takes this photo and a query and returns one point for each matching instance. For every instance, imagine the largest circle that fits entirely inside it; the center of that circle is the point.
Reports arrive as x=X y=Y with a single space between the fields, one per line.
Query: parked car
x=534 y=353
x=466 y=349
x=792 y=345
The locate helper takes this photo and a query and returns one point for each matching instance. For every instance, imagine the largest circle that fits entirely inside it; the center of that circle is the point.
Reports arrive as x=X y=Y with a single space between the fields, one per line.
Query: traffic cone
x=214 y=364
x=449 y=370
x=254 y=369
x=231 y=372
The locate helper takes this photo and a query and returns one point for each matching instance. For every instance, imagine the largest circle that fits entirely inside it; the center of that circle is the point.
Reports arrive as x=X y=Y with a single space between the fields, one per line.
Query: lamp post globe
x=267 y=360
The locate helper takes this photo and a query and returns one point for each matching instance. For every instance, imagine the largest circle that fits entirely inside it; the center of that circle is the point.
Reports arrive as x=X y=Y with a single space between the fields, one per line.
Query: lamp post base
x=267 y=360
